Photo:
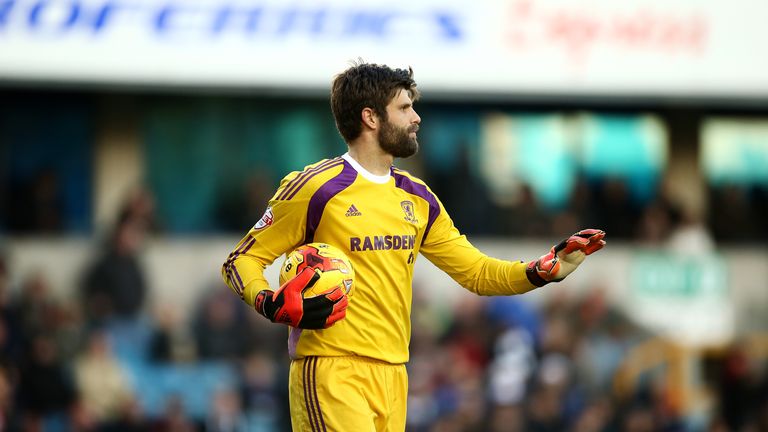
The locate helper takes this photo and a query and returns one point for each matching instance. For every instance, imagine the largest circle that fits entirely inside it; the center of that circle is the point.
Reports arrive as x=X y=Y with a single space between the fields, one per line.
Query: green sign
x=665 y=275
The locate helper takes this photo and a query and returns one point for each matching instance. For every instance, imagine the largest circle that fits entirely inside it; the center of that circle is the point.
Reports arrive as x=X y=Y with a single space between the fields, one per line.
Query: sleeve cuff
x=533 y=275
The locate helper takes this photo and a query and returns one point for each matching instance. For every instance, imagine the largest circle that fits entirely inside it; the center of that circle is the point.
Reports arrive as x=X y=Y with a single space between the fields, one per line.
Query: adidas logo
x=353 y=211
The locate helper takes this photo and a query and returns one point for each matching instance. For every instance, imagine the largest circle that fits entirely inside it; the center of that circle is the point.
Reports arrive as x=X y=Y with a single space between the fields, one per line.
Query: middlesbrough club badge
x=408 y=210
x=265 y=220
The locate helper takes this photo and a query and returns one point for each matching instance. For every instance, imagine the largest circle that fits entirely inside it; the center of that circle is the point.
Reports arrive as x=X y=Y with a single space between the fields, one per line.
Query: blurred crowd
x=101 y=361
x=732 y=213
x=501 y=364
x=486 y=364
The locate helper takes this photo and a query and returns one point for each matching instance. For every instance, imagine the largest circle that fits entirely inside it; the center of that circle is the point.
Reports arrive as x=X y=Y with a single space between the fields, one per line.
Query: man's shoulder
x=305 y=182
x=405 y=175
x=414 y=185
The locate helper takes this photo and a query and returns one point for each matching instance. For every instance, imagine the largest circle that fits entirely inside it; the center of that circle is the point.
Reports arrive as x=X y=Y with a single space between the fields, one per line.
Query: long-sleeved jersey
x=382 y=223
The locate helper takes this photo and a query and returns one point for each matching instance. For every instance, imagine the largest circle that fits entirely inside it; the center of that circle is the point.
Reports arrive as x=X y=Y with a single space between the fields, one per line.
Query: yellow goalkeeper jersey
x=382 y=223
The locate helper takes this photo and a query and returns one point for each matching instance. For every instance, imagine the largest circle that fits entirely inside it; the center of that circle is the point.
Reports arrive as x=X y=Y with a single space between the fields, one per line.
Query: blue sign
x=341 y=21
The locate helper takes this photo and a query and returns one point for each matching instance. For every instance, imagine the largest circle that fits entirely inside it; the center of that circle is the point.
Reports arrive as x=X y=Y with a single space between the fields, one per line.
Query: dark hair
x=366 y=85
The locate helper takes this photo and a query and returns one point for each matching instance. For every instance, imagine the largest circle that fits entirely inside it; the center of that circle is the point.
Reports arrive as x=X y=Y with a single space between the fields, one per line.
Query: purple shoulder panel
x=300 y=180
x=418 y=189
x=324 y=194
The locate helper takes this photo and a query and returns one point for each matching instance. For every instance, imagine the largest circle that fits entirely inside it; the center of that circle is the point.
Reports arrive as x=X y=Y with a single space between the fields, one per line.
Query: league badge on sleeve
x=265 y=220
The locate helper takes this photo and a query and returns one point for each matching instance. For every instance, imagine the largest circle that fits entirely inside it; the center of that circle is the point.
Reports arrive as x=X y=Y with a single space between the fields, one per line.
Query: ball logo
x=408 y=210
x=265 y=220
x=348 y=284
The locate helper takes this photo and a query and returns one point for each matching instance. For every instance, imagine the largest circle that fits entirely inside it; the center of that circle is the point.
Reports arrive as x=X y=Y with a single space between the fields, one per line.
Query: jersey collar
x=380 y=179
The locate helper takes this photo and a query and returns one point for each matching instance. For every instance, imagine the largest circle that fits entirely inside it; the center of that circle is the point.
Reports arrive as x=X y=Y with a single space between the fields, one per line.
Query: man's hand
x=288 y=306
x=565 y=257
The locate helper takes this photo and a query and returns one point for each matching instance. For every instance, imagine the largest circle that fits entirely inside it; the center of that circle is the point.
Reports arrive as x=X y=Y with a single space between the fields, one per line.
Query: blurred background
x=141 y=139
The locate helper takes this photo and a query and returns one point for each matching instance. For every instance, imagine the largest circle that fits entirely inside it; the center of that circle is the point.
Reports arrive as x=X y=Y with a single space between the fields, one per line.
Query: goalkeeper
x=349 y=351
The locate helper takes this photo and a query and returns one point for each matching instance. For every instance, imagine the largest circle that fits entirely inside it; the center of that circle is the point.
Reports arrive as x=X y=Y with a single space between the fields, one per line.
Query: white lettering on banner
x=689 y=48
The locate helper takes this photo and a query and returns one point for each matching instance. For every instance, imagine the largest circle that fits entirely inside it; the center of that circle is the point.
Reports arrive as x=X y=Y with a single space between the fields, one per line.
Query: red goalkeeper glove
x=288 y=306
x=565 y=257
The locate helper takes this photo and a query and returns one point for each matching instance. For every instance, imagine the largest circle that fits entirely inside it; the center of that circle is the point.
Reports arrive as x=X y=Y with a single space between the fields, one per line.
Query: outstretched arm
x=454 y=254
x=564 y=257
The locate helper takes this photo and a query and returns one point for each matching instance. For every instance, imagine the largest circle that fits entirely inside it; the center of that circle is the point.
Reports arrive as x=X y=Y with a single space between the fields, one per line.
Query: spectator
x=35 y=307
x=737 y=387
x=131 y=418
x=243 y=205
x=691 y=237
x=174 y=419
x=654 y=226
x=544 y=410
x=731 y=214
x=217 y=327
x=170 y=341
x=140 y=208
x=8 y=418
x=507 y=418
x=115 y=286
x=464 y=195
x=617 y=213
x=10 y=337
x=526 y=217
x=640 y=419
x=47 y=392
x=595 y=417
x=226 y=413
x=260 y=390
x=511 y=368
x=102 y=382
x=37 y=204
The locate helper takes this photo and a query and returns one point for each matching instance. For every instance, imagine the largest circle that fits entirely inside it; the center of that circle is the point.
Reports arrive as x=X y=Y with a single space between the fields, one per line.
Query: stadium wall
x=712 y=299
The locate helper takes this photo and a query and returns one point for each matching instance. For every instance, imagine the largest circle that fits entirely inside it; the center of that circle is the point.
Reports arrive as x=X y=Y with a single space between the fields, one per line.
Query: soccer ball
x=336 y=268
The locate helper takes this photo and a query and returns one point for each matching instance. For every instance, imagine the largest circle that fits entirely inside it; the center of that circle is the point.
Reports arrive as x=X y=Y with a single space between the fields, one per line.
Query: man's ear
x=369 y=118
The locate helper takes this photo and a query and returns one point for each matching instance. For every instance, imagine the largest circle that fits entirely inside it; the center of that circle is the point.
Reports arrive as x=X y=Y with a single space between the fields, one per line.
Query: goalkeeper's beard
x=397 y=141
